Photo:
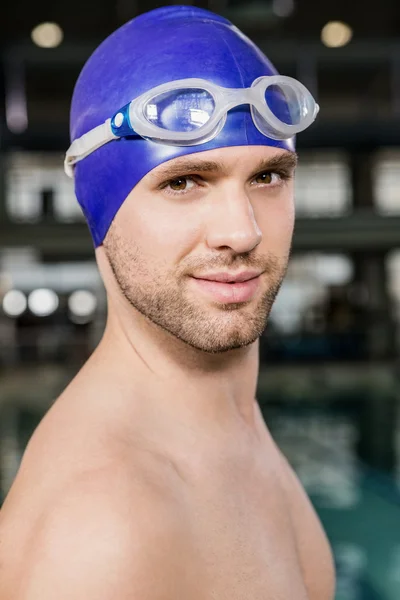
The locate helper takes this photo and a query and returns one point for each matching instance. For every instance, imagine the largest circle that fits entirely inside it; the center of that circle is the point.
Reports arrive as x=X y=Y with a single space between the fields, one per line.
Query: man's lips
x=224 y=277
x=229 y=288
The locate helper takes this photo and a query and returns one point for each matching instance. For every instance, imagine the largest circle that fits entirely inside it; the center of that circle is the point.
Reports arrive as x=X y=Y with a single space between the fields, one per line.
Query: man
x=153 y=476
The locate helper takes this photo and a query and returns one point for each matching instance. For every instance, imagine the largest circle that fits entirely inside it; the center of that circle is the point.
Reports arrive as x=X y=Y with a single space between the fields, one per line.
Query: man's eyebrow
x=189 y=166
x=280 y=162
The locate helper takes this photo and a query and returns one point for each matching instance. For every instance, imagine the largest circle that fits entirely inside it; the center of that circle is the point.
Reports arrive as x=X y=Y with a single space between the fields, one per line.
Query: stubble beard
x=213 y=329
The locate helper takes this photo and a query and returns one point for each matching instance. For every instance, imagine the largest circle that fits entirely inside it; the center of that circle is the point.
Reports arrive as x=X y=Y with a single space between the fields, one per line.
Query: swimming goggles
x=193 y=111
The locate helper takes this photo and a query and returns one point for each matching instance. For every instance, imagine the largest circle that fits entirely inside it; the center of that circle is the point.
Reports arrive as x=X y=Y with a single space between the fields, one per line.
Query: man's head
x=180 y=95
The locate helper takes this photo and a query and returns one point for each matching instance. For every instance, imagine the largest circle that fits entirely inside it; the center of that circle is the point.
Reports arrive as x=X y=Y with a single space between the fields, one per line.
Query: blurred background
x=329 y=382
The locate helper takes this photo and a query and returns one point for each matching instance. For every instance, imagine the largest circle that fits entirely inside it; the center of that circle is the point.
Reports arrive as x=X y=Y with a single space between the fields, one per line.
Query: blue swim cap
x=166 y=44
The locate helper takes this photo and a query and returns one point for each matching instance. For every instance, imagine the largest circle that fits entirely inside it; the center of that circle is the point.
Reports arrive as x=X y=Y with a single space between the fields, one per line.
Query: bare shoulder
x=103 y=537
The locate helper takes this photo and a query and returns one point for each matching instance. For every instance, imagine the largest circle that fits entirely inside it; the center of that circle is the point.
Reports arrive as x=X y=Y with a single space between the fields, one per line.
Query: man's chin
x=221 y=346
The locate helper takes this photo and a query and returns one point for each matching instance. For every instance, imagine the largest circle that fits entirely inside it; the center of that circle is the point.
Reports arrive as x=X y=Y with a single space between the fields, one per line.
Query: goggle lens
x=180 y=110
x=286 y=104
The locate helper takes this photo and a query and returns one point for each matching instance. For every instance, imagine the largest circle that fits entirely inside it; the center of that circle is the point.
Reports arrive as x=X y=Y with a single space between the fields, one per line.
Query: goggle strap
x=87 y=143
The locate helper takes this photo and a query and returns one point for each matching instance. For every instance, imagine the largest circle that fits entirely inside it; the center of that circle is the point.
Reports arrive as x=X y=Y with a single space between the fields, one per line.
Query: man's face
x=227 y=211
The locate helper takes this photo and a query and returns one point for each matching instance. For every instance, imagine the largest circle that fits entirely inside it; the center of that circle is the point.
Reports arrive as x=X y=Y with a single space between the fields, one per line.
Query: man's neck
x=199 y=388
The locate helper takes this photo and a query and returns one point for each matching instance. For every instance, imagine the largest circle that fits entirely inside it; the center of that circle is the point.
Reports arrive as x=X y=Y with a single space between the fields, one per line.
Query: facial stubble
x=161 y=297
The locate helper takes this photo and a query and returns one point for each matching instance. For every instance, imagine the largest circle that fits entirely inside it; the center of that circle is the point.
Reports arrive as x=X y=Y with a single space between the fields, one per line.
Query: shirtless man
x=153 y=476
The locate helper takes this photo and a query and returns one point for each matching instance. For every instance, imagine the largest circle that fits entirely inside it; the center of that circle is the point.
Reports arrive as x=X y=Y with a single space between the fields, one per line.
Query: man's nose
x=232 y=223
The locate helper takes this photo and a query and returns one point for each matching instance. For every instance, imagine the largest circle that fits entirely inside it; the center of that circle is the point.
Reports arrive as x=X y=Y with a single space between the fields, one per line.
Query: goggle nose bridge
x=239 y=96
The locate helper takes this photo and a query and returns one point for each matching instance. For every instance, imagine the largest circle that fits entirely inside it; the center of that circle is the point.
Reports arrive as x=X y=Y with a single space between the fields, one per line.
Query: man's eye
x=267 y=178
x=181 y=184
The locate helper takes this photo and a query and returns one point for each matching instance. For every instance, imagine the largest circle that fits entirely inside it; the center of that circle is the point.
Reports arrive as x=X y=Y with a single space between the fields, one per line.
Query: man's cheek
x=277 y=234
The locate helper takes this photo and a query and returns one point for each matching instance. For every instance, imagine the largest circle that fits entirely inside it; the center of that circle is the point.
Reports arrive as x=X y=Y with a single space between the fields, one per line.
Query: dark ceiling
x=95 y=19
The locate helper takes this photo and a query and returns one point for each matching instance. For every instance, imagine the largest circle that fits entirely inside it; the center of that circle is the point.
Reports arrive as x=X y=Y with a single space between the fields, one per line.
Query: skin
x=153 y=475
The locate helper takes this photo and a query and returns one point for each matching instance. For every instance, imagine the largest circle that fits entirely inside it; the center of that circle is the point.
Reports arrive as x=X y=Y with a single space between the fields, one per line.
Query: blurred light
x=82 y=303
x=16 y=115
x=283 y=8
x=336 y=34
x=14 y=303
x=47 y=35
x=43 y=302
x=15 y=96
x=333 y=269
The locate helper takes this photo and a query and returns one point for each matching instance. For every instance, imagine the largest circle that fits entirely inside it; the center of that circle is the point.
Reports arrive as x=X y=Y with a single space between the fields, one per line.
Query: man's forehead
x=223 y=160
